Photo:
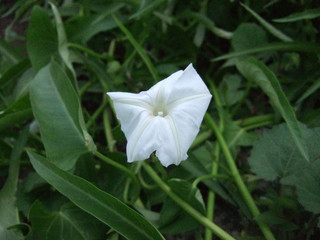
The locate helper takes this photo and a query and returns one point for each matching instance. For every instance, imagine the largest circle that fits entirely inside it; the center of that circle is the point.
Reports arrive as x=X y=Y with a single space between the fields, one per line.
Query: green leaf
x=256 y=71
x=308 y=180
x=9 y=215
x=101 y=205
x=173 y=219
x=16 y=113
x=14 y=72
x=42 y=42
x=229 y=89
x=271 y=29
x=237 y=136
x=248 y=36
x=57 y=109
x=147 y=7
x=9 y=52
x=68 y=223
x=275 y=155
x=308 y=47
x=307 y=14
x=62 y=39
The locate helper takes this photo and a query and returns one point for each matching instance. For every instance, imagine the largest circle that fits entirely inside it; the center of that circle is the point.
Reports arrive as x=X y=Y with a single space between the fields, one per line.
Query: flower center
x=160 y=112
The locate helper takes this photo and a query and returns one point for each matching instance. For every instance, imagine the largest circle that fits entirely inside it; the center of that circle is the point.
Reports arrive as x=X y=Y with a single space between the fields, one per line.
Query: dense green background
x=260 y=60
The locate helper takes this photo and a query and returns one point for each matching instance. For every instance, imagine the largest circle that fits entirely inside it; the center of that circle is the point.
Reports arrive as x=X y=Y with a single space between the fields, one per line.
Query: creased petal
x=131 y=109
x=187 y=118
x=188 y=84
x=143 y=140
x=169 y=150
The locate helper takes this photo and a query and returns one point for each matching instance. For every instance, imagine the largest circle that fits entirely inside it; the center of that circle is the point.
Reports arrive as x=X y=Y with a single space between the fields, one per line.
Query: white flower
x=165 y=119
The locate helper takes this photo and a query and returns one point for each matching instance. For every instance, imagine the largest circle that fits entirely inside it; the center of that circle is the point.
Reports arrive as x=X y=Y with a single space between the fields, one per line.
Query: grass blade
x=275 y=32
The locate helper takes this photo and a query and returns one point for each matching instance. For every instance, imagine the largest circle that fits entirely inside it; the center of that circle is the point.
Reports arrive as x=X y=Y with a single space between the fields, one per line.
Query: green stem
x=139 y=49
x=123 y=169
x=89 y=51
x=97 y=112
x=256 y=119
x=185 y=206
x=108 y=131
x=238 y=180
x=215 y=162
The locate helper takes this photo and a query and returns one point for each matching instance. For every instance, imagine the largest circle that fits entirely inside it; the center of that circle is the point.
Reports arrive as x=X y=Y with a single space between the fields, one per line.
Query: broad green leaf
x=57 y=109
x=173 y=220
x=9 y=215
x=271 y=29
x=275 y=155
x=256 y=71
x=101 y=205
x=308 y=47
x=68 y=223
x=16 y=113
x=308 y=181
x=9 y=53
x=42 y=42
x=248 y=36
x=307 y=14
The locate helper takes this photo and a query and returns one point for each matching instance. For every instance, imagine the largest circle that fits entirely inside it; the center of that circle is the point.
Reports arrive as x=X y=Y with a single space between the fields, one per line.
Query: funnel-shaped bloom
x=165 y=119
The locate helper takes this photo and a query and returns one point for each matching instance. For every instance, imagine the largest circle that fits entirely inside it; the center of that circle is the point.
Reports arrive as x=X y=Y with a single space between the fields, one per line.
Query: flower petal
x=187 y=117
x=131 y=109
x=144 y=140
x=188 y=84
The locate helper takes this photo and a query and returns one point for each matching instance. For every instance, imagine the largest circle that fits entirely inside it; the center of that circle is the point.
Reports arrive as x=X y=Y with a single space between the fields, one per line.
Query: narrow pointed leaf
x=9 y=214
x=277 y=46
x=56 y=107
x=307 y=14
x=274 y=31
x=100 y=204
x=256 y=71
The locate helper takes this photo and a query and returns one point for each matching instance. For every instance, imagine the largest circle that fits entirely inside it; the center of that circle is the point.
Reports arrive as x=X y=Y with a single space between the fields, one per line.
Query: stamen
x=160 y=113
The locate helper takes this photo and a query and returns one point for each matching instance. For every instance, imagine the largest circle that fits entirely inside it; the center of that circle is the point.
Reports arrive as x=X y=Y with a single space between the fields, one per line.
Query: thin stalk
x=256 y=119
x=185 y=206
x=123 y=169
x=244 y=97
x=89 y=51
x=139 y=49
x=238 y=180
x=108 y=131
x=215 y=162
x=97 y=112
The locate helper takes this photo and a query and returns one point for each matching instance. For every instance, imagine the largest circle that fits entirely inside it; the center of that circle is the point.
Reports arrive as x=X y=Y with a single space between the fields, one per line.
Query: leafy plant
x=252 y=172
